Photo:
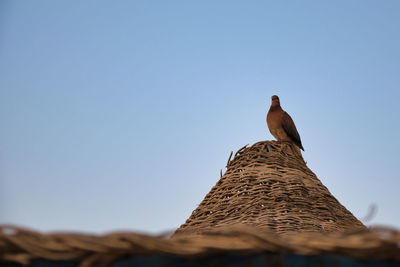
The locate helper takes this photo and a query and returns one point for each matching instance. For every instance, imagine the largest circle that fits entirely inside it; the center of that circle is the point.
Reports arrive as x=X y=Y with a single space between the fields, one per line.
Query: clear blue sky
x=120 y=114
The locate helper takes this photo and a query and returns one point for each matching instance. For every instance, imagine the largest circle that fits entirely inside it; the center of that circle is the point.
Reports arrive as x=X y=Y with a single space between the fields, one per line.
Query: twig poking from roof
x=229 y=159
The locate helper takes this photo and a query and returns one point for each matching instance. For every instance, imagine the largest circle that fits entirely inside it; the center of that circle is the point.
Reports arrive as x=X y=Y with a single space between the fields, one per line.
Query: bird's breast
x=274 y=122
x=274 y=119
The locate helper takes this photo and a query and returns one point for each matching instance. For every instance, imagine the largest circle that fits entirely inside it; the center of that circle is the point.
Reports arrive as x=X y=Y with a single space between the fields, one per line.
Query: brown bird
x=281 y=125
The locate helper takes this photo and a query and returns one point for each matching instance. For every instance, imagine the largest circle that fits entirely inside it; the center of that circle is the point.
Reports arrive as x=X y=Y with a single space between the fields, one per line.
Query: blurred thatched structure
x=22 y=247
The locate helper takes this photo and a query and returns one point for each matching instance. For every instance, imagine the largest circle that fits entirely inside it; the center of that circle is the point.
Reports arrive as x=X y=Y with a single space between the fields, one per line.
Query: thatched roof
x=269 y=186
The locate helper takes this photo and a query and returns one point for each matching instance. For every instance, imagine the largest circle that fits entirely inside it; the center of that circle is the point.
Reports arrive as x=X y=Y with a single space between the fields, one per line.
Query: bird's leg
x=280 y=142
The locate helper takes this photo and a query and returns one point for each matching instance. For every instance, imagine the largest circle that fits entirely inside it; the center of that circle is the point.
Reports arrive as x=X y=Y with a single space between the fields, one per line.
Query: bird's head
x=275 y=101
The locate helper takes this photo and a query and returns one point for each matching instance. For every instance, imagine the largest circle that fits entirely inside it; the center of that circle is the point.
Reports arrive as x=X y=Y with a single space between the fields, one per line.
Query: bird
x=281 y=125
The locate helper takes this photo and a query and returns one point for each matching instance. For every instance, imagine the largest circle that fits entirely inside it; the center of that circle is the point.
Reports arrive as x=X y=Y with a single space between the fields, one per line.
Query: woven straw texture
x=269 y=186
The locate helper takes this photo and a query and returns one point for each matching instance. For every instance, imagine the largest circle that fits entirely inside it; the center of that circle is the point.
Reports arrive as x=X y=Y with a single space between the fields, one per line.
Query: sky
x=119 y=115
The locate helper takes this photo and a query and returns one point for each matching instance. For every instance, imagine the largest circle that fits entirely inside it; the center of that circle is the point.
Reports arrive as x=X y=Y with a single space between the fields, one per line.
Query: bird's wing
x=290 y=129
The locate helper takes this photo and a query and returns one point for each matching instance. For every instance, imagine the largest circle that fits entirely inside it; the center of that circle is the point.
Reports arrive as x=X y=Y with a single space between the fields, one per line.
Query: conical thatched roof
x=269 y=186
